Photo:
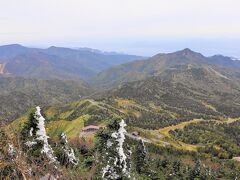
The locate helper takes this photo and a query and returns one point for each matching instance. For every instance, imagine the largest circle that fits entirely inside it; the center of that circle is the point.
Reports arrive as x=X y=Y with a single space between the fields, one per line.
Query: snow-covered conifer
x=36 y=136
x=116 y=155
x=69 y=155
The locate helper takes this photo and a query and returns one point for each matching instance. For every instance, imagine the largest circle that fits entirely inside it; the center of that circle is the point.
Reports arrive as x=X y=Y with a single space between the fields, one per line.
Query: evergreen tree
x=140 y=157
x=115 y=154
x=66 y=154
x=30 y=127
x=35 y=138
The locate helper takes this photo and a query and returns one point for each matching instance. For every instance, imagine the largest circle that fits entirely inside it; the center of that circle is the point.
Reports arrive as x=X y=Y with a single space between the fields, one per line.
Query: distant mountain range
x=159 y=64
x=184 y=83
x=57 y=62
x=98 y=68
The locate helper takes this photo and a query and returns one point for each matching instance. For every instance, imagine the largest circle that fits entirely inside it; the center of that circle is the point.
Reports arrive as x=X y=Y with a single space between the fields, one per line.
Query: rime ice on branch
x=117 y=155
x=71 y=158
x=41 y=136
x=120 y=137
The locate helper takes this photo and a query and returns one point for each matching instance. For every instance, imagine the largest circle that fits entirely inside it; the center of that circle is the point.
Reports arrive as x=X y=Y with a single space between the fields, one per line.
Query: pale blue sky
x=144 y=27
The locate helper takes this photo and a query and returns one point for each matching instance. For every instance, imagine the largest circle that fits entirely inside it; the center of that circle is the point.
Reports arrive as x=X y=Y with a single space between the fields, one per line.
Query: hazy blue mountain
x=225 y=61
x=10 y=51
x=57 y=62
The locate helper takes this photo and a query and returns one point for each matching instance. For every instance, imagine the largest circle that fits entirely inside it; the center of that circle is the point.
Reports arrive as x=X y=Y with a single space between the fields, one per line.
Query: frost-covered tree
x=67 y=155
x=115 y=154
x=35 y=137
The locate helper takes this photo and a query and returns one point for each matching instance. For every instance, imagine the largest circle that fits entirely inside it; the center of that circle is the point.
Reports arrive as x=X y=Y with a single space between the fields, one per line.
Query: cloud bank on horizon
x=133 y=26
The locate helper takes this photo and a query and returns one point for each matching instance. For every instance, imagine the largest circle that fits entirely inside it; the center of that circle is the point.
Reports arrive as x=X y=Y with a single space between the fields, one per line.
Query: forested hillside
x=17 y=95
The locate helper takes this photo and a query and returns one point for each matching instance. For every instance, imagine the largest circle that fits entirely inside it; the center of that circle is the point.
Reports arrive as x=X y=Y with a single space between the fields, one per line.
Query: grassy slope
x=165 y=135
x=72 y=117
x=162 y=137
x=69 y=119
x=70 y=128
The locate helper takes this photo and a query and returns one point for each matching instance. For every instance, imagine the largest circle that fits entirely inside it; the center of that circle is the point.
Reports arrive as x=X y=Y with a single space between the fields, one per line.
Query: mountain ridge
x=155 y=65
x=80 y=63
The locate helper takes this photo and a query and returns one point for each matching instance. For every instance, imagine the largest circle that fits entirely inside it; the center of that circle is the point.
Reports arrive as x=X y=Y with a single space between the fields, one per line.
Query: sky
x=143 y=27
